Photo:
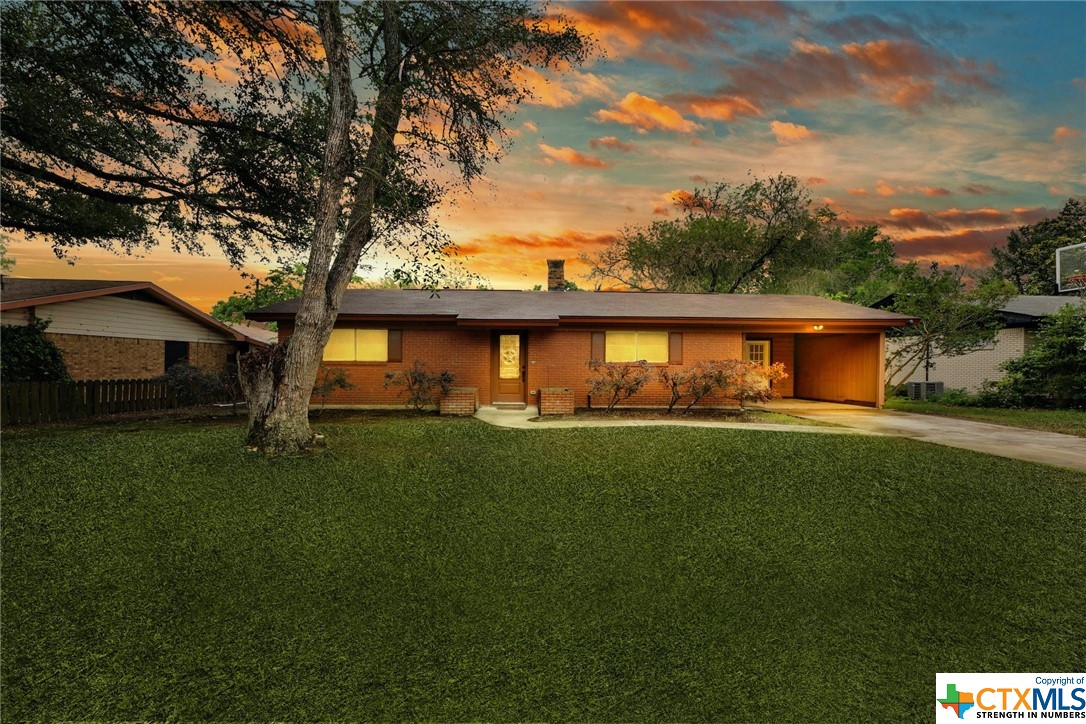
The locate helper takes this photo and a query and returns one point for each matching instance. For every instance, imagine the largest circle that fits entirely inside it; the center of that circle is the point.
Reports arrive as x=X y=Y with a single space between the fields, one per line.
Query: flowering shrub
x=737 y=379
x=618 y=381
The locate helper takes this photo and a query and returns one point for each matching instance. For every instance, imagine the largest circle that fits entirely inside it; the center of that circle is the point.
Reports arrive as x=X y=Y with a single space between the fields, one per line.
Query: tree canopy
x=1029 y=258
x=765 y=235
x=126 y=122
x=952 y=318
x=317 y=126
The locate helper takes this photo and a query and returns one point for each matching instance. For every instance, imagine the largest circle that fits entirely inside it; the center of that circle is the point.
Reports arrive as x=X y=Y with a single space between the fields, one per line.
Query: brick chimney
x=556 y=275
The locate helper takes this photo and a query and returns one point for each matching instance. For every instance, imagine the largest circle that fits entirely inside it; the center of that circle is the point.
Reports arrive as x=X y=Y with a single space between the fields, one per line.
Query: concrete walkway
x=1052 y=448
x=522 y=420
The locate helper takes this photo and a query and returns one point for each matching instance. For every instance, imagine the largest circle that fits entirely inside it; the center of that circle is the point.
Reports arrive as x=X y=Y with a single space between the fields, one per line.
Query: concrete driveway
x=1051 y=448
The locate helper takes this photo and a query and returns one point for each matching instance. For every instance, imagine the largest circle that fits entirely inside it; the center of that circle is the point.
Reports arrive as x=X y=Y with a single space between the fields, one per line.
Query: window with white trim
x=357 y=345
x=635 y=346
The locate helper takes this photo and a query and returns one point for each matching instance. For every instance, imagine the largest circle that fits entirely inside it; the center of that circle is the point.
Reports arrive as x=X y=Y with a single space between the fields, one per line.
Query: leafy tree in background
x=1052 y=372
x=860 y=266
x=280 y=285
x=7 y=263
x=765 y=235
x=952 y=318
x=1029 y=258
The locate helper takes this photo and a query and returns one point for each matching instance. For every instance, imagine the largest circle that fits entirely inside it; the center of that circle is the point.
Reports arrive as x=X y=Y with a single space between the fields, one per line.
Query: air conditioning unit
x=924 y=390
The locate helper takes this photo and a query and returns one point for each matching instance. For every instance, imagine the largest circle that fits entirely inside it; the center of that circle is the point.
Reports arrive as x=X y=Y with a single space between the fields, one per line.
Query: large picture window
x=357 y=345
x=634 y=346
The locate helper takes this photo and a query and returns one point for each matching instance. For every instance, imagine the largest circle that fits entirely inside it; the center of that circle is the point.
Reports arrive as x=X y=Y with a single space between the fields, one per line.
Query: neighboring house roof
x=1025 y=310
x=255 y=332
x=547 y=308
x=21 y=293
x=1037 y=306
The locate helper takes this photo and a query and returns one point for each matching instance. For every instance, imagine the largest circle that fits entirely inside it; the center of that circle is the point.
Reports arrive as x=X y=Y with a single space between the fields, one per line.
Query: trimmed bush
x=420 y=386
x=27 y=355
x=618 y=381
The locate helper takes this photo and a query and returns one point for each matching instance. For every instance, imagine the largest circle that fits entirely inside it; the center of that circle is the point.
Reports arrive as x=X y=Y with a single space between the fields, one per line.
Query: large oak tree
x=320 y=126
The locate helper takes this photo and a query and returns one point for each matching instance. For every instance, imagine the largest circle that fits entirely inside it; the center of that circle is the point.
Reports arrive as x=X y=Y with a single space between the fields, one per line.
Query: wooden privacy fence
x=30 y=402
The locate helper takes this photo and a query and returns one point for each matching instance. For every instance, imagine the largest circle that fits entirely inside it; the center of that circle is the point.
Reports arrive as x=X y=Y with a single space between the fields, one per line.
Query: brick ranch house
x=109 y=330
x=505 y=347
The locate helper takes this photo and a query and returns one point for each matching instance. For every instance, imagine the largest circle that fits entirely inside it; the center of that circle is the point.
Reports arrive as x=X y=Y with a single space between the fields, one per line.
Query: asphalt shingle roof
x=16 y=290
x=1038 y=306
x=502 y=305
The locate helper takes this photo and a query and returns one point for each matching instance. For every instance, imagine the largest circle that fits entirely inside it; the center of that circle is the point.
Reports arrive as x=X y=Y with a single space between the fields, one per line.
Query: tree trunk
x=279 y=384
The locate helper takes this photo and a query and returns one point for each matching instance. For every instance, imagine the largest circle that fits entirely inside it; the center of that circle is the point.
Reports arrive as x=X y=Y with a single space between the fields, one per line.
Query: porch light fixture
x=817 y=328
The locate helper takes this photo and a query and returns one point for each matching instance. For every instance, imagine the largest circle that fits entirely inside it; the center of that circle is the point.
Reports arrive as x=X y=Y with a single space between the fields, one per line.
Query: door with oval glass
x=508 y=367
x=758 y=352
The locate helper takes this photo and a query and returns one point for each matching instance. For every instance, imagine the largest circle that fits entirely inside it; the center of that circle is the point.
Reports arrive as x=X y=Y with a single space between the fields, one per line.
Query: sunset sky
x=947 y=124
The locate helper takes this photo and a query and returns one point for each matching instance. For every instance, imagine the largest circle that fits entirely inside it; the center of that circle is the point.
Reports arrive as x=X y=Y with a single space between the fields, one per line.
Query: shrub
x=330 y=379
x=1052 y=372
x=192 y=385
x=751 y=382
x=420 y=385
x=697 y=382
x=27 y=355
x=617 y=381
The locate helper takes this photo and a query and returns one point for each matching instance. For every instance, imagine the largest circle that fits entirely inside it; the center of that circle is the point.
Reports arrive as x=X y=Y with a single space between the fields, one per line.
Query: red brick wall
x=463 y=352
x=556 y=358
x=560 y=357
x=459 y=401
x=121 y=358
x=555 y=401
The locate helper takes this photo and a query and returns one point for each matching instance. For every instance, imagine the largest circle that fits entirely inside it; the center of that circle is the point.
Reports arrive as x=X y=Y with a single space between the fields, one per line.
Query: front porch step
x=510 y=406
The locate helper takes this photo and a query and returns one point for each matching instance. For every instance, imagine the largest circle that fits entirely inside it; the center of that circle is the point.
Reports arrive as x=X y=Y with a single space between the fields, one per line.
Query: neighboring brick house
x=509 y=345
x=120 y=330
x=1021 y=317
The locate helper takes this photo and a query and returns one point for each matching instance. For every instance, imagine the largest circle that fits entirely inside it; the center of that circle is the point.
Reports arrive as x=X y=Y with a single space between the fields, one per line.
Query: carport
x=846 y=368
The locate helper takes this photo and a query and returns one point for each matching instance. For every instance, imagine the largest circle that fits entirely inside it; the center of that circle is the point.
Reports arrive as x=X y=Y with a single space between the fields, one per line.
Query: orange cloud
x=815 y=180
x=789 y=132
x=965 y=246
x=646 y=114
x=572 y=156
x=1065 y=133
x=857 y=192
x=662 y=31
x=906 y=73
x=611 y=143
x=561 y=91
x=915 y=219
x=722 y=108
x=884 y=189
x=510 y=257
x=529 y=126
x=802 y=46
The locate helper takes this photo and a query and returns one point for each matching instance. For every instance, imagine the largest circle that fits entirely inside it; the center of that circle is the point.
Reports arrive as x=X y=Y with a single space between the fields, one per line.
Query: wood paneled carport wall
x=846 y=367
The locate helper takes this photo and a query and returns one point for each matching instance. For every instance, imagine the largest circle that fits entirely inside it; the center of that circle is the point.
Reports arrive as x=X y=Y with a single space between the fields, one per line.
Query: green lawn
x=1071 y=422
x=447 y=570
